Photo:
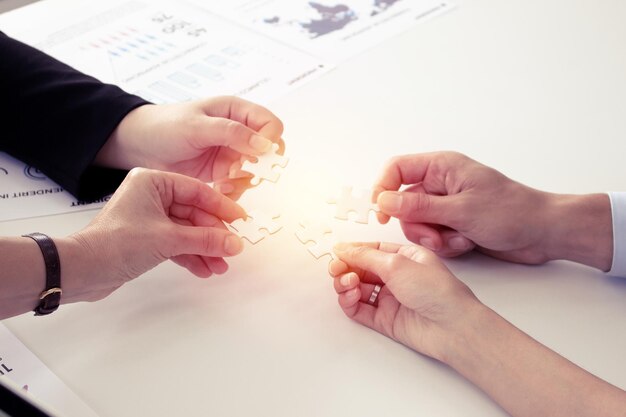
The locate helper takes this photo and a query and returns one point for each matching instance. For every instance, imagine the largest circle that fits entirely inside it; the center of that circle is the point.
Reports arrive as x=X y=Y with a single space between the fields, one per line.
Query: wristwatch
x=50 y=297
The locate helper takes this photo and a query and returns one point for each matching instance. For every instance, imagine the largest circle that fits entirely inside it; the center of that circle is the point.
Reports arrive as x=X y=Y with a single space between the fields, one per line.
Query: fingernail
x=427 y=243
x=390 y=202
x=340 y=247
x=351 y=294
x=261 y=144
x=225 y=188
x=233 y=245
x=345 y=280
x=458 y=243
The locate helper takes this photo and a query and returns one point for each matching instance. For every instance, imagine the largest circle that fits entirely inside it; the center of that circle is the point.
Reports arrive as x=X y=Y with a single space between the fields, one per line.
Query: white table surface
x=535 y=89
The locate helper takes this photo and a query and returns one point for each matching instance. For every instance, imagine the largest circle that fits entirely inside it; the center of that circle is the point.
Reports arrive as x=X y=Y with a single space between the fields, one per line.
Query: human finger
x=218 y=265
x=418 y=168
x=233 y=188
x=377 y=317
x=350 y=281
x=193 y=264
x=349 y=301
x=364 y=274
x=454 y=244
x=345 y=282
x=400 y=170
x=248 y=113
x=367 y=291
x=336 y=268
x=183 y=215
x=367 y=257
x=203 y=241
x=192 y=192
x=191 y=215
x=425 y=169
x=417 y=207
x=423 y=234
x=217 y=131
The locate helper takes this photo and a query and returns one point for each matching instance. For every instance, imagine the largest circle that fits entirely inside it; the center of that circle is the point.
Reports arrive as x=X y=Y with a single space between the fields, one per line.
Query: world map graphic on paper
x=330 y=18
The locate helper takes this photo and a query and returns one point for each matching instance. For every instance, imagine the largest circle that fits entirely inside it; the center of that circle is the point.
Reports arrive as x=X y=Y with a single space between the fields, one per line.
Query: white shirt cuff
x=618 y=212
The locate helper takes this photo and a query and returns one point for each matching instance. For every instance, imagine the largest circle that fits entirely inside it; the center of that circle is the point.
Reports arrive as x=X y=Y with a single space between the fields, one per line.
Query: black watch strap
x=50 y=297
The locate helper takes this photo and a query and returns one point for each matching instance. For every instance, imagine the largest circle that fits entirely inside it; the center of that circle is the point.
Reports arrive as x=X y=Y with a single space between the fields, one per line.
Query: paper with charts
x=163 y=51
x=23 y=368
x=331 y=30
x=168 y=51
x=26 y=192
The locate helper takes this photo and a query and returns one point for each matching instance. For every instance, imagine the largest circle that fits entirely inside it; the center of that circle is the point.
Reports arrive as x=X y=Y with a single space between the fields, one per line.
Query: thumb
x=218 y=131
x=371 y=258
x=416 y=207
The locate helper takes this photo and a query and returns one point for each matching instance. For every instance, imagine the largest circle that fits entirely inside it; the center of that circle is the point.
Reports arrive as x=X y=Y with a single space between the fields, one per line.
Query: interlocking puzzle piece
x=318 y=233
x=265 y=166
x=347 y=202
x=250 y=229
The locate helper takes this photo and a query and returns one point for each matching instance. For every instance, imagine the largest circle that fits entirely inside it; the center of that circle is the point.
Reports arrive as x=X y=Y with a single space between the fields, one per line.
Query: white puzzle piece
x=265 y=166
x=251 y=228
x=360 y=204
x=318 y=233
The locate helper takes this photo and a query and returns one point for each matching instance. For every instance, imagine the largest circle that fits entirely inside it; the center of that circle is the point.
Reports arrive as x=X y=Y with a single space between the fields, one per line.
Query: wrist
x=580 y=230
x=121 y=150
x=465 y=341
x=459 y=338
x=74 y=264
x=83 y=267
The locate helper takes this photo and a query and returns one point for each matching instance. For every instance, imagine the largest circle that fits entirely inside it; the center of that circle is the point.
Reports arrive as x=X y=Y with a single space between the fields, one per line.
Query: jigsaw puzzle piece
x=347 y=202
x=265 y=166
x=318 y=233
x=251 y=228
x=265 y=221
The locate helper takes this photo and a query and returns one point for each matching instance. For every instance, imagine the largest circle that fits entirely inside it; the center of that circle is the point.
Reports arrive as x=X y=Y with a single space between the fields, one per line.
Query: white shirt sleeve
x=618 y=212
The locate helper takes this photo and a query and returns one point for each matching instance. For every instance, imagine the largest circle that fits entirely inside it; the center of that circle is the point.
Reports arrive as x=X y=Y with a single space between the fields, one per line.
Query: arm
x=57 y=119
x=525 y=377
x=423 y=306
x=454 y=204
x=205 y=139
x=71 y=126
x=152 y=217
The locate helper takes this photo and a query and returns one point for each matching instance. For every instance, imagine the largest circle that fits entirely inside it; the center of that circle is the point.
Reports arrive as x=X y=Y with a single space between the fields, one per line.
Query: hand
x=423 y=306
x=454 y=204
x=153 y=216
x=204 y=139
x=421 y=303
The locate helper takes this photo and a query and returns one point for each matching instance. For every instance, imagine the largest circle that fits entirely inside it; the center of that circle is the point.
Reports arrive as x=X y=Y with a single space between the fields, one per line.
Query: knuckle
x=360 y=252
x=210 y=242
x=138 y=172
x=234 y=129
x=394 y=262
x=419 y=202
x=138 y=176
x=454 y=155
x=193 y=126
x=393 y=162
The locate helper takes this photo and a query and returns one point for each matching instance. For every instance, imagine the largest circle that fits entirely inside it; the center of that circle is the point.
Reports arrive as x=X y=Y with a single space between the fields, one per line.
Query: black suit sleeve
x=56 y=118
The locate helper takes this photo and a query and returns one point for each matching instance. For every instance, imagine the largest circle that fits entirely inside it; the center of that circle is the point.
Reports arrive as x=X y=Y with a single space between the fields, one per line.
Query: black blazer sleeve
x=57 y=119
